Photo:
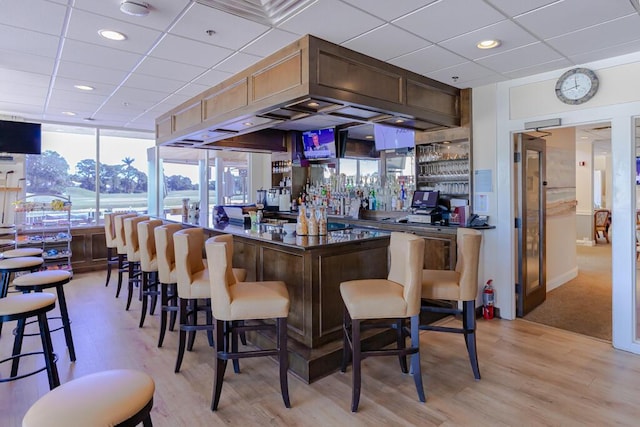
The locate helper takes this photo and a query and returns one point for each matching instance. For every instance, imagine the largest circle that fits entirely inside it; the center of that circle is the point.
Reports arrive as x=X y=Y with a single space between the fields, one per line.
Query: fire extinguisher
x=488 y=300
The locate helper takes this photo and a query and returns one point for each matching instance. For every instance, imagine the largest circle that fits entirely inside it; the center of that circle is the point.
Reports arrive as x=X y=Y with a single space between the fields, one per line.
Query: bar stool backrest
x=110 y=230
x=118 y=223
x=227 y=239
x=407 y=257
x=131 y=237
x=189 y=245
x=468 y=242
x=166 y=252
x=147 y=243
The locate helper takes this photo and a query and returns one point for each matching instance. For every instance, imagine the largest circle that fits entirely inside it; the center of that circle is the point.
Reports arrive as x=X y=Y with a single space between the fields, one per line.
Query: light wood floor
x=531 y=375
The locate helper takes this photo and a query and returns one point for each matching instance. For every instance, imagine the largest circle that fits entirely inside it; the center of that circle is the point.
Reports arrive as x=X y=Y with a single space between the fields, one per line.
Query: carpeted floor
x=582 y=305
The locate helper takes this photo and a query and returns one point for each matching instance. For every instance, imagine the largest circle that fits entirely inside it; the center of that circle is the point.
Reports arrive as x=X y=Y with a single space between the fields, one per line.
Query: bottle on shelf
x=313 y=223
x=302 y=225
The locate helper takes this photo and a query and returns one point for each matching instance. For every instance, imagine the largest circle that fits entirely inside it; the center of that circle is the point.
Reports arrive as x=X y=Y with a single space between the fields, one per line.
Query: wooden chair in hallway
x=601 y=223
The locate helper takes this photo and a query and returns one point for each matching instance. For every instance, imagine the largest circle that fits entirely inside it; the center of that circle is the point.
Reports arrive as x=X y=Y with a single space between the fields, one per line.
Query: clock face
x=577 y=86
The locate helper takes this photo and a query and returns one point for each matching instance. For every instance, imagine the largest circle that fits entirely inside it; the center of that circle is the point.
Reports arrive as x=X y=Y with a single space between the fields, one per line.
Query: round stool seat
x=20 y=263
x=24 y=305
x=7 y=242
x=15 y=253
x=102 y=399
x=47 y=278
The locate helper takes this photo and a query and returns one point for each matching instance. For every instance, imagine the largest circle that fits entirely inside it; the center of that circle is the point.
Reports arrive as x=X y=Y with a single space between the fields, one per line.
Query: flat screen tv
x=319 y=144
x=392 y=138
x=20 y=137
x=638 y=170
x=425 y=199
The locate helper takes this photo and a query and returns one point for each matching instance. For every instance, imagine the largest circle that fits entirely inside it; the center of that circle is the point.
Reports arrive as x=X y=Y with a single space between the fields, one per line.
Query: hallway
x=582 y=305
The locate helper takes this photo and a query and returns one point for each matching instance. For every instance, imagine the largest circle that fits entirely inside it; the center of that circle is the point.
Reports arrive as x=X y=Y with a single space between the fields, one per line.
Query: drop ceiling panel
x=158 y=84
x=526 y=56
x=517 y=7
x=25 y=62
x=429 y=59
x=389 y=10
x=190 y=52
x=331 y=20
x=270 y=42
x=598 y=37
x=621 y=49
x=231 y=32
x=9 y=78
x=136 y=97
x=465 y=72
x=39 y=15
x=444 y=19
x=83 y=27
x=538 y=68
x=237 y=62
x=68 y=98
x=169 y=69
x=212 y=78
x=570 y=15
x=99 y=89
x=192 y=89
x=21 y=109
x=100 y=56
x=382 y=42
x=90 y=74
x=25 y=90
x=25 y=41
x=162 y=12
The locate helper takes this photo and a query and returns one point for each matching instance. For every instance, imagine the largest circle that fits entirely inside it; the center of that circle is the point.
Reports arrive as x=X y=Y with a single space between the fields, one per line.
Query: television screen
x=20 y=137
x=392 y=138
x=425 y=199
x=319 y=144
x=638 y=170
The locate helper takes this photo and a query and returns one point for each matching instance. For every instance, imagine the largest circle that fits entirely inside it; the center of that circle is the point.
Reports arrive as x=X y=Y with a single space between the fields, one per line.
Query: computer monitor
x=425 y=199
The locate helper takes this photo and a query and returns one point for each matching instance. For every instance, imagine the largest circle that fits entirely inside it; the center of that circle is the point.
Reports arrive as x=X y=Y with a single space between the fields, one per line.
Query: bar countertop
x=268 y=233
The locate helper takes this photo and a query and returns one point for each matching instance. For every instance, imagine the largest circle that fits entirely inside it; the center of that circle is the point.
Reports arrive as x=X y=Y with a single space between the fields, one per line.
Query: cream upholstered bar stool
x=119 y=397
x=397 y=298
x=192 y=276
x=20 y=252
x=166 y=276
x=459 y=286
x=133 y=254
x=10 y=266
x=148 y=266
x=232 y=304
x=22 y=307
x=112 y=246
x=121 y=246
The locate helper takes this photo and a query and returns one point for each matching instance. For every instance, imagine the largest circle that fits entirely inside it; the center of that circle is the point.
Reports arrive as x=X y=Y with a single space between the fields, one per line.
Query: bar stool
x=11 y=266
x=133 y=254
x=112 y=245
x=37 y=282
x=192 y=276
x=233 y=302
x=20 y=252
x=166 y=276
x=20 y=308
x=397 y=297
x=121 y=246
x=148 y=265
x=119 y=397
x=459 y=285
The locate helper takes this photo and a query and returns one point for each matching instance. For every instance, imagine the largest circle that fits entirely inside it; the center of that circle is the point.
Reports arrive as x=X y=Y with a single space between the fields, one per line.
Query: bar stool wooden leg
x=66 y=322
x=356 y=365
x=17 y=346
x=182 y=333
x=47 y=347
x=109 y=263
x=122 y=267
x=283 y=359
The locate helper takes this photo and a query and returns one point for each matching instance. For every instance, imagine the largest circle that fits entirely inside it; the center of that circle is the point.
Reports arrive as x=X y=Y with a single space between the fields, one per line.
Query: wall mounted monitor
x=319 y=144
x=20 y=137
x=392 y=138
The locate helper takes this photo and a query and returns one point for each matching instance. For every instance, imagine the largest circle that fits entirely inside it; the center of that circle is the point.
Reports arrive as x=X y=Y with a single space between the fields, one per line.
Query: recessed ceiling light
x=112 y=35
x=248 y=124
x=369 y=137
x=135 y=8
x=488 y=44
x=399 y=120
x=68 y=113
x=83 y=87
x=313 y=104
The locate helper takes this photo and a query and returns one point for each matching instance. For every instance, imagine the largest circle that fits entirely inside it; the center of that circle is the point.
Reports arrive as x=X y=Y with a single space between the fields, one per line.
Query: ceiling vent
x=269 y=12
x=134 y=8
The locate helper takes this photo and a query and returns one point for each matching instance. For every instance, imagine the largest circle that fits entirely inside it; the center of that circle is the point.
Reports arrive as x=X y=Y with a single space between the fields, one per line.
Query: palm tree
x=128 y=185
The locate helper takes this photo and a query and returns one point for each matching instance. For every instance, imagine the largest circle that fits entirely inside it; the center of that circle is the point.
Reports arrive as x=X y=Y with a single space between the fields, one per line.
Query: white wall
x=533 y=98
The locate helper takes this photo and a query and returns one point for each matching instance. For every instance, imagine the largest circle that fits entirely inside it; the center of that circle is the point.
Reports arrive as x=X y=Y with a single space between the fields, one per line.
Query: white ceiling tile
x=100 y=56
x=231 y=31
x=35 y=98
x=162 y=12
x=25 y=62
x=516 y=7
x=526 y=56
x=9 y=78
x=21 y=89
x=67 y=96
x=212 y=78
x=87 y=74
x=36 y=15
x=26 y=41
x=137 y=97
x=608 y=52
x=429 y=59
x=598 y=37
x=482 y=81
x=445 y=19
x=189 y=51
x=539 y=68
x=389 y=10
x=21 y=109
x=84 y=26
x=464 y=72
x=510 y=35
x=569 y=15
x=237 y=62
x=383 y=42
x=331 y=20
x=270 y=42
x=192 y=89
x=99 y=89
x=159 y=84
x=169 y=69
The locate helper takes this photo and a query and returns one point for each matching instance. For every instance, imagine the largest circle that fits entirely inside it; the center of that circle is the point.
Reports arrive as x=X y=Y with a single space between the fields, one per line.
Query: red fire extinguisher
x=488 y=300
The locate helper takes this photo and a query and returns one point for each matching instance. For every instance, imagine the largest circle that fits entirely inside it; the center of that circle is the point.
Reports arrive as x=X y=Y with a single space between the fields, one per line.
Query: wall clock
x=577 y=86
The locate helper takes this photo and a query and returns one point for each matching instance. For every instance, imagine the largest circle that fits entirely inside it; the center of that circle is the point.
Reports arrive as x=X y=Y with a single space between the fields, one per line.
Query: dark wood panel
x=245 y=255
x=277 y=77
x=98 y=247
x=429 y=98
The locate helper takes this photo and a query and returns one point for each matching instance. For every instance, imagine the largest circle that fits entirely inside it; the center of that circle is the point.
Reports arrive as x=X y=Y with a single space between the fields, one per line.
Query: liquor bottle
x=313 y=223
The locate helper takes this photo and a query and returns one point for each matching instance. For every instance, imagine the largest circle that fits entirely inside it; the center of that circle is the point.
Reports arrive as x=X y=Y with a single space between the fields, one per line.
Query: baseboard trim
x=562 y=279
